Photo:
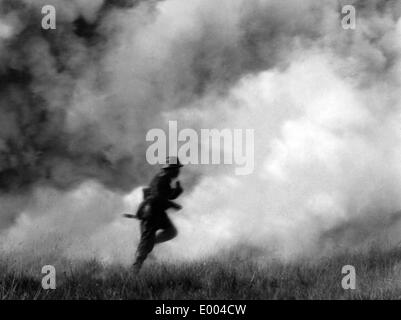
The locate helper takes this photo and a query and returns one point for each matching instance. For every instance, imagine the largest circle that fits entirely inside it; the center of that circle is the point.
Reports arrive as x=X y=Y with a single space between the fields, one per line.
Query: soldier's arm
x=164 y=189
x=176 y=192
x=174 y=205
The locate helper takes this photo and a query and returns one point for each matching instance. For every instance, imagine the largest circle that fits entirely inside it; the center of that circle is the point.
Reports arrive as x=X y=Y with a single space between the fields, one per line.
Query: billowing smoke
x=76 y=103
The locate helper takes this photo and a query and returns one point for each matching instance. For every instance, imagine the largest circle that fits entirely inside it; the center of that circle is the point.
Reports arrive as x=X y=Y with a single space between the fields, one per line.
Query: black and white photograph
x=200 y=150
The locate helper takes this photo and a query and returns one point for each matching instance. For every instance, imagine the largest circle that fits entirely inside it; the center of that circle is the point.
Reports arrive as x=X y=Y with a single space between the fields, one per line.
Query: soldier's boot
x=140 y=258
x=136 y=267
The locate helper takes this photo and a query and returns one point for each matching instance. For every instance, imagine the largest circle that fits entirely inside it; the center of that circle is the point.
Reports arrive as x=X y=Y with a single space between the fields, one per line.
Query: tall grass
x=230 y=277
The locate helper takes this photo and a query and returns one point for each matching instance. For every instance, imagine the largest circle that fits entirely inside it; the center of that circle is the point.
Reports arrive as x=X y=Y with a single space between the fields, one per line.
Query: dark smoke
x=39 y=70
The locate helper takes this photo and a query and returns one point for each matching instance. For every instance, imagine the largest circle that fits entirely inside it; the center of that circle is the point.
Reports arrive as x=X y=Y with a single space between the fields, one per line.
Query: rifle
x=130 y=216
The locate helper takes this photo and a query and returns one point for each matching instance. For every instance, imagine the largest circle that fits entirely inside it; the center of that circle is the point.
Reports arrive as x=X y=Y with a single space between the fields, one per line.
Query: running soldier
x=156 y=227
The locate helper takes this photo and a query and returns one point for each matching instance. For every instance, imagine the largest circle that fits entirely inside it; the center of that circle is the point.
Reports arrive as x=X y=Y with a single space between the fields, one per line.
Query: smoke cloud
x=76 y=103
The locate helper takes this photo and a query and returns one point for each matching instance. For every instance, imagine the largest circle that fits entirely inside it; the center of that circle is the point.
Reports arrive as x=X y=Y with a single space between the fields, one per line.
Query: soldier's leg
x=146 y=243
x=168 y=231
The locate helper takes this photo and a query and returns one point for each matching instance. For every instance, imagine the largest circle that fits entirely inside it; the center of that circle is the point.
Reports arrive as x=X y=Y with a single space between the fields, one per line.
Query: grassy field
x=378 y=277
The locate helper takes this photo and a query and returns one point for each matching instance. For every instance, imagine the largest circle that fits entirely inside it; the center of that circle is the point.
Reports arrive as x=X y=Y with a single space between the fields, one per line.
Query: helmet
x=172 y=163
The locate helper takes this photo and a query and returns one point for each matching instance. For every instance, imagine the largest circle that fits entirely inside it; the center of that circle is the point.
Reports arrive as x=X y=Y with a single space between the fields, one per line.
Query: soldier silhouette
x=156 y=227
